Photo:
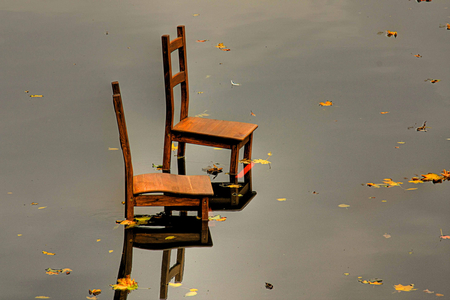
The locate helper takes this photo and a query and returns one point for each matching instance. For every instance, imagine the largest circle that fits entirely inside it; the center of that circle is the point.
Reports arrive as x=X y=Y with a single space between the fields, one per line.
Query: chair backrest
x=124 y=143
x=179 y=78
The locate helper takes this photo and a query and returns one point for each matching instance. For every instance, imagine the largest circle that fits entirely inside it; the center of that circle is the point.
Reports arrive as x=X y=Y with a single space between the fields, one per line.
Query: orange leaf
x=326 y=103
x=432 y=177
x=384 y=112
x=201 y=41
x=391 y=33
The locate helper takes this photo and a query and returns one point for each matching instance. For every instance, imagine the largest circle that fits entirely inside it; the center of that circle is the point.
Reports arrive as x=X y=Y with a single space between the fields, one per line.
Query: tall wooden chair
x=194 y=130
x=178 y=190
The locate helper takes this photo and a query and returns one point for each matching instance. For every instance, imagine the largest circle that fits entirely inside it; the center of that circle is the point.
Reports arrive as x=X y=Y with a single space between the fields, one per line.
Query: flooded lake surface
x=331 y=233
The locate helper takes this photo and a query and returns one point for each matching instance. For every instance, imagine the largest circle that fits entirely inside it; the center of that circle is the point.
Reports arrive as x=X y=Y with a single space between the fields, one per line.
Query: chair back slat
x=124 y=143
x=181 y=77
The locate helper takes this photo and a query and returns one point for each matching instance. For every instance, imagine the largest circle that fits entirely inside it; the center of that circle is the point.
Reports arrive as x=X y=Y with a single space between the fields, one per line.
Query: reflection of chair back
x=164 y=233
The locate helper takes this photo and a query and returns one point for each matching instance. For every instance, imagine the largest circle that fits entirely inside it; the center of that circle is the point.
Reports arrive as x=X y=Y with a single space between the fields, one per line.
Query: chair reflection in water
x=183 y=231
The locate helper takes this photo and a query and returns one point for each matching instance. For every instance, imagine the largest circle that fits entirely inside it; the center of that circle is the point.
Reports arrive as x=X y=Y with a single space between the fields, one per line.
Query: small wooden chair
x=179 y=190
x=195 y=130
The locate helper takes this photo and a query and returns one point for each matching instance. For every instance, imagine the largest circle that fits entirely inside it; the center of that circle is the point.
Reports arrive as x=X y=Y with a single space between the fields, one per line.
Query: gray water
x=288 y=56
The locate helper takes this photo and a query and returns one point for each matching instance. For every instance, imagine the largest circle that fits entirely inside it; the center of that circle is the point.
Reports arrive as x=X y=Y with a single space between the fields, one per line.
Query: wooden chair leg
x=167 y=155
x=248 y=156
x=165 y=268
x=180 y=262
x=204 y=208
x=234 y=164
x=129 y=208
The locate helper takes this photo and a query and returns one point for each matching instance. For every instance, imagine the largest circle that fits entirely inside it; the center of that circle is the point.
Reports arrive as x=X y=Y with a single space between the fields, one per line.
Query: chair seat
x=171 y=183
x=215 y=128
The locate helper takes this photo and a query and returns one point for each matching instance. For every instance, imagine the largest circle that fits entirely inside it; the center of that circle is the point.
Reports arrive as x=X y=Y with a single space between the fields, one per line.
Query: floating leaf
x=48 y=253
x=252 y=114
x=111 y=251
x=439 y=295
x=432 y=177
x=428 y=291
x=281 y=199
x=217 y=218
x=196 y=15
x=176 y=284
x=234 y=83
x=326 y=103
x=220 y=46
x=370 y=184
x=261 y=161
x=113 y=149
x=157 y=167
x=411 y=189
x=446 y=174
x=391 y=183
x=344 y=205
x=42 y=297
x=384 y=112
x=201 y=41
x=170 y=237
x=125 y=284
x=432 y=80
x=42 y=207
x=34 y=203
x=269 y=286
x=418 y=55
x=391 y=33
x=95 y=292
x=415 y=180
x=373 y=281
x=174 y=148
x=36 y=96
x=404 y=288
x=51 y=271
x=387 y=235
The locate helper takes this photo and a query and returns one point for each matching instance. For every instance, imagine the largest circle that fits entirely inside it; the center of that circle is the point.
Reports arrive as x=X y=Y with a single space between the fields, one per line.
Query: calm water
x=288 y=57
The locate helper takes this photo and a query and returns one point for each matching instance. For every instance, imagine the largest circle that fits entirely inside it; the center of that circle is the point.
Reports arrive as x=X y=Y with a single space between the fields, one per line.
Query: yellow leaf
x=34 y=203
x=326 y=103
x=19 y=234
x=344 y=205
x=176 y=284
x=111 y=251
x=170 y=237
x=432 y=177
x=196 y=15
x=220 y=46
x=411 y=189
x=390 y=183
x=233 y=186
x=400 y=142
x=42 y=297
x=190 y=294
x=98 y=240
x=261 y=161
x=36 y=96
x=439 y=295
x=384 y=112
x=346 y=274
x=42 y=207
x=404 y=288
x=415 y=180
x=125 y=284
x=281 y=199
x=374 y=281
x=193 y=290
x=113 y=149
x=270 y=153
x=48 y=253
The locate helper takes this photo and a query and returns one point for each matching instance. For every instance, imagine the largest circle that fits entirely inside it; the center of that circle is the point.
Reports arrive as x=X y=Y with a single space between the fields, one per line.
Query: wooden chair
x=179 y=190
x=195 y=130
